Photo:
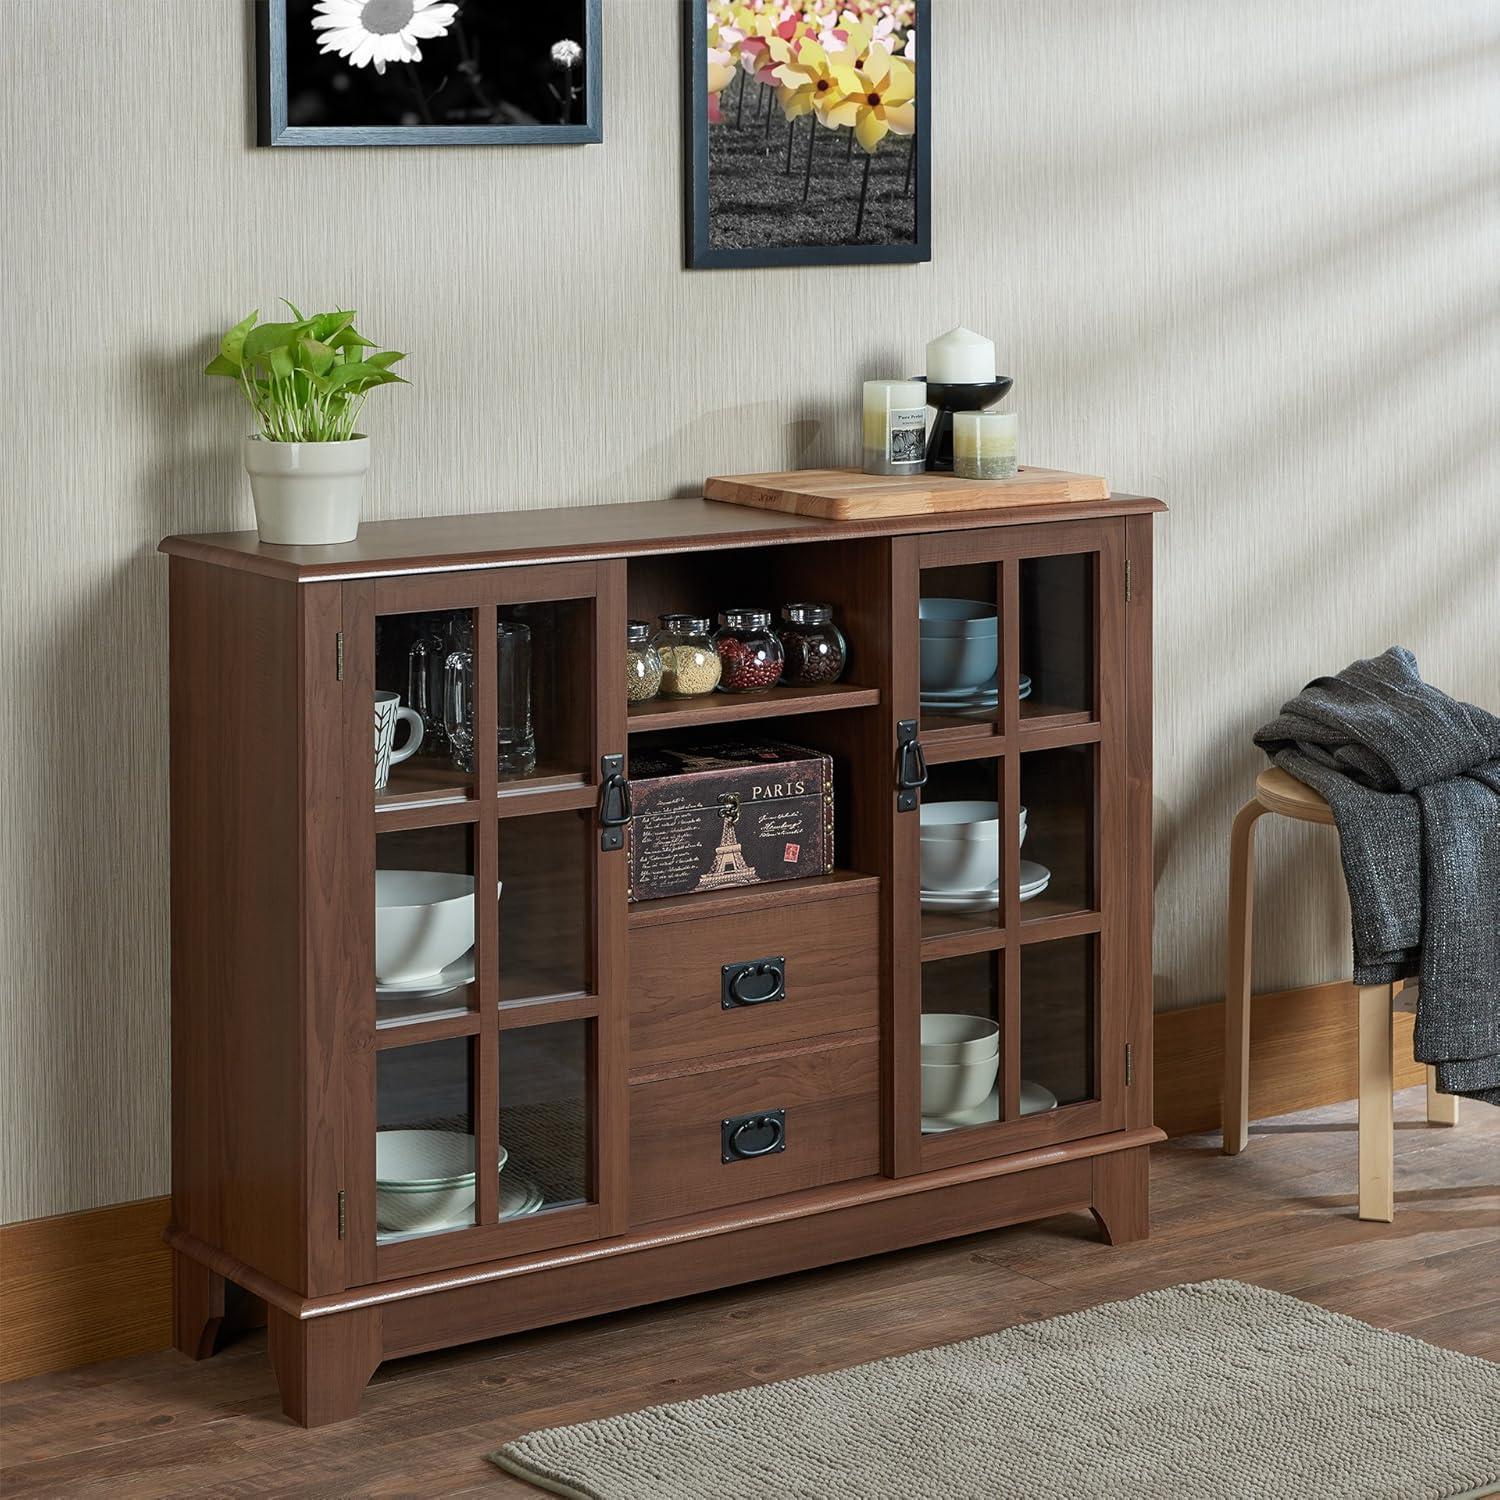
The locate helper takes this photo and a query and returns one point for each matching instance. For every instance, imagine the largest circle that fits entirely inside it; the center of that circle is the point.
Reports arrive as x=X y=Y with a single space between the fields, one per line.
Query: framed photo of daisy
x=808 y=132
x=429 y=72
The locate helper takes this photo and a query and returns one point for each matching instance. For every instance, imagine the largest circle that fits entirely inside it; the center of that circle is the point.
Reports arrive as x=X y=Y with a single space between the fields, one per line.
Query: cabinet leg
x=1376 y=1128
x=323 y=1364
x=1442 y=1109
x=197 y=1306
x=1122 y=1195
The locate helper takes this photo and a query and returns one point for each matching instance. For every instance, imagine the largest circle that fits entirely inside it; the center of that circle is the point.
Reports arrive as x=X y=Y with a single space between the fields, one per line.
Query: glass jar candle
x=749 y=653
x=984 y=444
x=642 y=663
x=689 y=662
x=813 y=645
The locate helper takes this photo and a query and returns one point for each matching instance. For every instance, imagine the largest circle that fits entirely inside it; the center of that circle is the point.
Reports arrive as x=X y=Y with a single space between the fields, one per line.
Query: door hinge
x=1129 y=1065
x=341 y=1213
x=338 y=655
x=1129 y=590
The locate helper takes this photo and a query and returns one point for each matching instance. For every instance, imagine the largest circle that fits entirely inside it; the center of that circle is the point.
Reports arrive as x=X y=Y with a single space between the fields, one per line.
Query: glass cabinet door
x=486 y=1056
x=1001 y=1013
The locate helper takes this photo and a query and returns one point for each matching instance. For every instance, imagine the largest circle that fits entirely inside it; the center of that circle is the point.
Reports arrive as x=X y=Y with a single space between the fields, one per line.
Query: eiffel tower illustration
x=729 y=860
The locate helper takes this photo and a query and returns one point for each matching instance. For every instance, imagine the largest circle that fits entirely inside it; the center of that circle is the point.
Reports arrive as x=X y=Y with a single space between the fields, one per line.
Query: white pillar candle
x=961 y=357
x=984 y=444
x=895 y=426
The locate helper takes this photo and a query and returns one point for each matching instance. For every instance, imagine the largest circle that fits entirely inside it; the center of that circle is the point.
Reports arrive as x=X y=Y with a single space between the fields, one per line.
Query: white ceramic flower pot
x=307 y=494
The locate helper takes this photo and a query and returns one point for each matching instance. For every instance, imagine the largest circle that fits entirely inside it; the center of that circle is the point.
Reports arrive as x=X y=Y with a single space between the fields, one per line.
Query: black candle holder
x=949 y=398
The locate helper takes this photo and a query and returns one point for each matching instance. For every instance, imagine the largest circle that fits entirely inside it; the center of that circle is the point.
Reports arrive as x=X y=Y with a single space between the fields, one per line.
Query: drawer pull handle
x=745 y=1137
x=757 y=982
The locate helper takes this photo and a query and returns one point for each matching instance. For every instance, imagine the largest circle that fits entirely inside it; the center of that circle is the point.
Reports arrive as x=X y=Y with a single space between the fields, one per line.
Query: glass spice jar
x=749 y=652
x=642 y=663
x=689 y=662
x=815 y=648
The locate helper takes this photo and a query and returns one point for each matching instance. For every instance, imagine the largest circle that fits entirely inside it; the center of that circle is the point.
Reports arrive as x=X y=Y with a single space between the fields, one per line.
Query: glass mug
x=514 y=733
x=424 y=680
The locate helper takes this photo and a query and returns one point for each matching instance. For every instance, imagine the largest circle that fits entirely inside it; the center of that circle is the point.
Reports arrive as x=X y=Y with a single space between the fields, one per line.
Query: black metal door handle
x=757 y=982
x=744 y=1137
x=615 y=809
x=911 y=765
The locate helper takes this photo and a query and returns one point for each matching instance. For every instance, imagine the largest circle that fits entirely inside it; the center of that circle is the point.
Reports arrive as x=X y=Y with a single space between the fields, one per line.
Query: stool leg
x=1235 y=1118
x=1377 y=1135
x=1442 y=1109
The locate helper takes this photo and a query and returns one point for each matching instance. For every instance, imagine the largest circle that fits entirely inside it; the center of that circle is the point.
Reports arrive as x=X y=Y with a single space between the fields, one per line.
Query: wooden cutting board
x=849 y=495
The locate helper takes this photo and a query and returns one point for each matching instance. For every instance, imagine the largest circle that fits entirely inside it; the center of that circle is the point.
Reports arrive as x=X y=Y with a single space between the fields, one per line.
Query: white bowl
x=951 y=1038
x=950 y=663
x=938 y=617
x=948 y=1088
x=423 y=1158
x=408 y=1210
x=960 y=819
x=960 y=845
x=424 y=920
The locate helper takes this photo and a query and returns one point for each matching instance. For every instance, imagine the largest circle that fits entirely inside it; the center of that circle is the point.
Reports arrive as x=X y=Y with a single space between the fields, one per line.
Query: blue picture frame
x=273 y=128
x=702 y=253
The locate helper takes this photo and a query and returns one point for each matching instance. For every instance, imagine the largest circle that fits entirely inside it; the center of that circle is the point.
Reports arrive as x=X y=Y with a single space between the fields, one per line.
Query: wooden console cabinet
x=589 y=1043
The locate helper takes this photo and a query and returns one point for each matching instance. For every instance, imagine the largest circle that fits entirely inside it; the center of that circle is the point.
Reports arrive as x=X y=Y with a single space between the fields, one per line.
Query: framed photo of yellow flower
x=808 y=132
x=428 y=72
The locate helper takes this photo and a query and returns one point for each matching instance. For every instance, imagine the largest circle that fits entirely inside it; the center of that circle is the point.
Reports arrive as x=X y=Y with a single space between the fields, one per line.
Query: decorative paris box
x=713 y=816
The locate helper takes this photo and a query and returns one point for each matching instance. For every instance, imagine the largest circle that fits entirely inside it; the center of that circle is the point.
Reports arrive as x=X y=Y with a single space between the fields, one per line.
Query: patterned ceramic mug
x=388 y=711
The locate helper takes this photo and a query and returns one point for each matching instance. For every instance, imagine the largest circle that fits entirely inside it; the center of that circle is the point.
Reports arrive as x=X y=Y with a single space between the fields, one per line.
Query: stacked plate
x=1036 y=1099
x=960 y=847
x=424 y=1184
x=959 y=642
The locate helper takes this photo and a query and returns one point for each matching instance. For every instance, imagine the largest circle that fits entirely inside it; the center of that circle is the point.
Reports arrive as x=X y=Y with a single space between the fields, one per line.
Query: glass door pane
x=1057 y=636
x=959 y=645
x=545 y=693
x=547 y=906
x=424 y=925
x=962 y=1042
x=546 y=1118
x=961 y=849
x=420 y=753
x=1059 y=988
x=424 y=1140
x=1058 y=814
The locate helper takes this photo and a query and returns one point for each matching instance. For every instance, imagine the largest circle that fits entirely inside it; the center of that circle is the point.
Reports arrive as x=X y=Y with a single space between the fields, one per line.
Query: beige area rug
x=1202 y=1392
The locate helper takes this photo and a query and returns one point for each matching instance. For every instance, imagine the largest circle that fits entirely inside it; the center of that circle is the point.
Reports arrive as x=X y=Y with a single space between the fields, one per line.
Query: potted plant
x=306 y=381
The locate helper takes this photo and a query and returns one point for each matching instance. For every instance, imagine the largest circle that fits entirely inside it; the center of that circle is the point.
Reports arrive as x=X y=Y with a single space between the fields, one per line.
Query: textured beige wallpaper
x=1240 y=256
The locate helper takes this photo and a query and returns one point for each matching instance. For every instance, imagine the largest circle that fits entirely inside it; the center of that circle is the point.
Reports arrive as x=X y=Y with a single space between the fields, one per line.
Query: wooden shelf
x=731 y=708
x=747 y=897
x=418 y=782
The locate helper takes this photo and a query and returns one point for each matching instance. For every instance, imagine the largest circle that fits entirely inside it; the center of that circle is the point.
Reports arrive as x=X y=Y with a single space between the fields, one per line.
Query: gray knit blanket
x=1413 y=779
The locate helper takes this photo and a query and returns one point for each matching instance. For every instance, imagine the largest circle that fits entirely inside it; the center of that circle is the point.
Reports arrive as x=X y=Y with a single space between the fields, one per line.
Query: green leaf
x=386 y=360
x=259 y=342
x=349 y=339
x=295 y=311
x=280 y=362
x=232 y=345
x=314 y=356
x=326 y=325
x=218 y=365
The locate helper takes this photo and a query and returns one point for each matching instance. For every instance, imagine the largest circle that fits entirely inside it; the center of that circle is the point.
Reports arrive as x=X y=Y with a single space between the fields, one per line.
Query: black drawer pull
x=755 y=982
x=745 y=1137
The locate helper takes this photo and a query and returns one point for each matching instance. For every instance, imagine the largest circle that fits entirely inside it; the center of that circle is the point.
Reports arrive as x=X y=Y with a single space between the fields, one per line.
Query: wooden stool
x=1278 y=792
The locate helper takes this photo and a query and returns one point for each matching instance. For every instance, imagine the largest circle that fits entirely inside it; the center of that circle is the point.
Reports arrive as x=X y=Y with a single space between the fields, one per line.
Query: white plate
x=519 y=1196
x=1036 y=1099
x=459 y=972
x=990 y=689
x=1033 y=876
x=1036 y=880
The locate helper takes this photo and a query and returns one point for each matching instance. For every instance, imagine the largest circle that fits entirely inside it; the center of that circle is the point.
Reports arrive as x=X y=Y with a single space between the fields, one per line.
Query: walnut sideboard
x=641 y=1128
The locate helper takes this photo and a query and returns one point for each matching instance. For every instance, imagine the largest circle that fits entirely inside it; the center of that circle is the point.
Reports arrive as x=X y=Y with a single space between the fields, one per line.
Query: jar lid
x=638 y=632
x=684 y=624
x=744 y=618
x=807 y=614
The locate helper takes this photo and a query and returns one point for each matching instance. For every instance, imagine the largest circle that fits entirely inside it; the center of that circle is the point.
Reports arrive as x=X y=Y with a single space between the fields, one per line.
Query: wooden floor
x=1282 y=1216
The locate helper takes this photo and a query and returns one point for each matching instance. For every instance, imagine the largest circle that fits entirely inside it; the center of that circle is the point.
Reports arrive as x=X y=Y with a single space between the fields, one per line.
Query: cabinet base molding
x=1303 y=1053
x=325 y=1349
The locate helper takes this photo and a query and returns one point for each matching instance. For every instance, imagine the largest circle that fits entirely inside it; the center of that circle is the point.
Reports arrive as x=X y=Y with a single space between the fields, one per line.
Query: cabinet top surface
x=591 y=532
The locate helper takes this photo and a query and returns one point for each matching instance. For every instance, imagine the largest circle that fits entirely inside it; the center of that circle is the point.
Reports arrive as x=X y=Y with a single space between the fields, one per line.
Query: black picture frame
x=701 y=253
x=273 y=129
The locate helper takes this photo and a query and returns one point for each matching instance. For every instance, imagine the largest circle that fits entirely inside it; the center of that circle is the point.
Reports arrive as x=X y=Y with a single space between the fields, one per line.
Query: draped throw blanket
x=1413 y=779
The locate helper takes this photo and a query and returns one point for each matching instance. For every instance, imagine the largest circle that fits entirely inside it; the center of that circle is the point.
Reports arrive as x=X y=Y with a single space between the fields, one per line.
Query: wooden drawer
x=827 y=936
x=831 y=1099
